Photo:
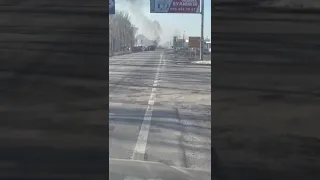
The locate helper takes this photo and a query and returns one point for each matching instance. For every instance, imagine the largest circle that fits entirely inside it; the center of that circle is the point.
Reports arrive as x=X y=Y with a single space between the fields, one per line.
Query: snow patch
x=201 y=62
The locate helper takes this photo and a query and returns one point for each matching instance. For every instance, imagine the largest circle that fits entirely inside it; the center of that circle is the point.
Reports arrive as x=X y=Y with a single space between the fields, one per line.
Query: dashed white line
x=141 y=145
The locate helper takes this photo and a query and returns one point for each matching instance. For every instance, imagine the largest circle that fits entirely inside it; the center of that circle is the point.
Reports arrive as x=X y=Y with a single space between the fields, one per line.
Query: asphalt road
x=159 y=110
x=53 y=99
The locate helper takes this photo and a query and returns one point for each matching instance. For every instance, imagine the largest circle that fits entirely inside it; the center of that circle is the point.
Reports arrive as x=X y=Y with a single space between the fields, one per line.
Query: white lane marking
x=141 y=145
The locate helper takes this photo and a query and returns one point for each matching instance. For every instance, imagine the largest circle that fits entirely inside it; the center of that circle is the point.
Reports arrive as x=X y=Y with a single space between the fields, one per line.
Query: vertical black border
x=30 y=159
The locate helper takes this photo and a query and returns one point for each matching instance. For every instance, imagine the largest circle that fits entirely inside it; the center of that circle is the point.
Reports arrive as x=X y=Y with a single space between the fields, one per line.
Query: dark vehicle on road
x=151 y=48
x=136 y=49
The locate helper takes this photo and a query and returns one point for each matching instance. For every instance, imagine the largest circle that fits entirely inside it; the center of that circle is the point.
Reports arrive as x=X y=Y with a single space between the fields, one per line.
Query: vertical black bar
x=53 y=89
x=265 y=81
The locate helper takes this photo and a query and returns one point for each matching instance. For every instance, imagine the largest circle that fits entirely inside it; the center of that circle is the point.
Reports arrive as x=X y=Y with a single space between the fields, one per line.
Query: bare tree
x=121 y=32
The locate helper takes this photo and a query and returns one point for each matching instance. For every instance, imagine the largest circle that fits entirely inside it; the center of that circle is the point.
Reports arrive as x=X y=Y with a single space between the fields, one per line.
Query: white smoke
x=149 y=28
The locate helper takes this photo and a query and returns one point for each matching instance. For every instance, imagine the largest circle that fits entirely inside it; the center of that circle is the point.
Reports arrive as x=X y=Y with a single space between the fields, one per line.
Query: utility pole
x=183 y=39
x=201 y=40
x=111 y=40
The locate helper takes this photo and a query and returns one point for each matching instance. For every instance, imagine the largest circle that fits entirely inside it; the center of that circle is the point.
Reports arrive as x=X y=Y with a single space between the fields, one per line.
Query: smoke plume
x=149 y=28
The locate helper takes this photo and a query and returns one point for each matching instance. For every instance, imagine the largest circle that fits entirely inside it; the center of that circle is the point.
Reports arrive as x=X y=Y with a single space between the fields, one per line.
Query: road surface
x=53 y=90
x=159 y=110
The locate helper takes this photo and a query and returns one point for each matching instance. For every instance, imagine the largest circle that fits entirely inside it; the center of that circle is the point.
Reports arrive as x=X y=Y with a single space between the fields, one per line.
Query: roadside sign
x=175 y=6
x=112 y=7
x=194 y=42
x=179 y=42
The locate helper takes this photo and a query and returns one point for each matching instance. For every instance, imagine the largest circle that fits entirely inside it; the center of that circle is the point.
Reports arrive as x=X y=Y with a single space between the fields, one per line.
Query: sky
x=171 y=24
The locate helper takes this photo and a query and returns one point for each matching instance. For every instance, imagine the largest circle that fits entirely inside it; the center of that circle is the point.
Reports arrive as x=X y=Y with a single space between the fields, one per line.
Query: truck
x=152 y=48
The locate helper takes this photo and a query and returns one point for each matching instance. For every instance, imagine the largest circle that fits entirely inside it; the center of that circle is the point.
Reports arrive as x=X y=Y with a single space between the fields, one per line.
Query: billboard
x=194 y=42
x=175 y=6
x=112 y=7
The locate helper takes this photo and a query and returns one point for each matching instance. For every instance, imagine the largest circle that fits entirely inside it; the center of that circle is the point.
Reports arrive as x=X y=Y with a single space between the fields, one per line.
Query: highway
x=54 y=100
x=159 y=110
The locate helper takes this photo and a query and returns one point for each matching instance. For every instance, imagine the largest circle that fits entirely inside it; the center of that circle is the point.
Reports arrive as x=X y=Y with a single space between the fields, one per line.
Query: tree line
x=121 y=32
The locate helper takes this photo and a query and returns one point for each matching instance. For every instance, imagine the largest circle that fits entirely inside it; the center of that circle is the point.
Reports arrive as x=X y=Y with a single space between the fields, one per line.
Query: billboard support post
x=201 y=40
x=112 y=9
